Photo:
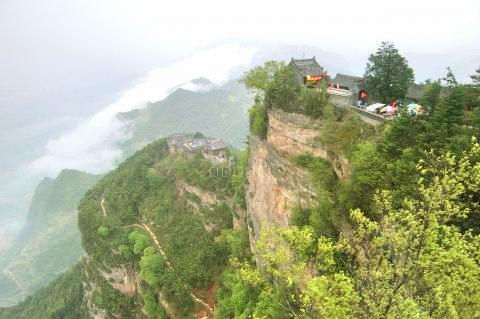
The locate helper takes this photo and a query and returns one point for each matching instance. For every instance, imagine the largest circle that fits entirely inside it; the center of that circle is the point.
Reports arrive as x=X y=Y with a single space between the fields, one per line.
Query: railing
x=372 y=117
x=343 y=100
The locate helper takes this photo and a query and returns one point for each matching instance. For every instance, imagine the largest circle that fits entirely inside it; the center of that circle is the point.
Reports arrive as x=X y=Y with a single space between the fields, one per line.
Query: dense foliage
x=258 y=120
x=412 y=262
x=150 y=214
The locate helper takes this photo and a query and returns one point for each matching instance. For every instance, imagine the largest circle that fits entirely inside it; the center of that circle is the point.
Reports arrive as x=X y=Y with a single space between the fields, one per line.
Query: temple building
x=308 y=71
x=212 y=148
x=343 y=89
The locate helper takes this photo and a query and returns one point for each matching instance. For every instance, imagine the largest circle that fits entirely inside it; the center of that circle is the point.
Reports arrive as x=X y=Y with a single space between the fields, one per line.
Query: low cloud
x=92 y=146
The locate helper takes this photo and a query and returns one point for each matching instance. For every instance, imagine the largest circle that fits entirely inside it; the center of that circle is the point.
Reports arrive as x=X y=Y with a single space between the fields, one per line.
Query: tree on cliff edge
x=388 y=75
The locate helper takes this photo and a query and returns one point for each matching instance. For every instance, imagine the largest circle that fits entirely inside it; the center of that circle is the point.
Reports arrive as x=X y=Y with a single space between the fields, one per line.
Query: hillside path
x=102 y=205
x=162 y=252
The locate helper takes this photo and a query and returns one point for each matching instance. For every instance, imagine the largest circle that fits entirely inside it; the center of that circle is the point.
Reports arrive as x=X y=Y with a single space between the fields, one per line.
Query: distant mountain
x=62 y=298
x=50 y=242
x=220 y=112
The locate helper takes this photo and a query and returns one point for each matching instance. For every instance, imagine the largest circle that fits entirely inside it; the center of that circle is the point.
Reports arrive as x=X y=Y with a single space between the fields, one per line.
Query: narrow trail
x=167 y=261
x=162 y=252
x=102 y=204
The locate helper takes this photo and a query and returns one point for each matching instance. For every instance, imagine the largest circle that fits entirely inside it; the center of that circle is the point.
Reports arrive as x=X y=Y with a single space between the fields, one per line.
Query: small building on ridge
x=308 y=71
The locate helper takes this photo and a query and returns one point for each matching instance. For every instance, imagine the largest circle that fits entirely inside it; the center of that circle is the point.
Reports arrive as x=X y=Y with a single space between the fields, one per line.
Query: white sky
x=48 y=44
x=109 y=27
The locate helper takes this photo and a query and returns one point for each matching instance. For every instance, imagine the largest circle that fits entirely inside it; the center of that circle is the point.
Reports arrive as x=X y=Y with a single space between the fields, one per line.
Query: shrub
x=258 y=120
x=314 y=101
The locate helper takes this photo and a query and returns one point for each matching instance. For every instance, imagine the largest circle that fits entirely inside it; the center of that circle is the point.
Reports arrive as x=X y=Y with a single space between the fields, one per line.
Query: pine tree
x=450 y=79
x=476 y=77
x=388 y=75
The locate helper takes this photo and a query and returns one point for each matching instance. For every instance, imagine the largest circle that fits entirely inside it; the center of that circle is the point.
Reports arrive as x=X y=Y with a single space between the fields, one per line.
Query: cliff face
x=275 y=184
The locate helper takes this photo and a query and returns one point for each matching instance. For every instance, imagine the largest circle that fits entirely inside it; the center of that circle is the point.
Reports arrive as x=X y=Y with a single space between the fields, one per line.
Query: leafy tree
x=411 y=261
x=260 y=77
x=103 y=231
x=152 y=306
x=405 y=131
x=140 y=241
x=445 y=123
x=152 y=266
x=198 y=135
x=239 y=179
x=287 y=287
x=236 y=298
x=388 y=75
x=284 y=91
x=368 y=171
x=431 y=95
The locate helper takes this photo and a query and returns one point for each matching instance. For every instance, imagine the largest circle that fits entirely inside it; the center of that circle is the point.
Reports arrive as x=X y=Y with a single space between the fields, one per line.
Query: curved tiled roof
x=307 y=66
x=347 y=80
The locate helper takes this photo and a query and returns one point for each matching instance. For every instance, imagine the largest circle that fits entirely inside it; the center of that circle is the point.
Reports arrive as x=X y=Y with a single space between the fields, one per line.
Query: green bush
x=323 y=216
x=258 y=120
x=314 y=101
x=239 y=179
x=152 y=306
x=152 y=266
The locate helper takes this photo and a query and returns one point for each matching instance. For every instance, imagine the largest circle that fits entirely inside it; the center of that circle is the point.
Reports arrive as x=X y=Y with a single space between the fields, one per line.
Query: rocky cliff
x=276 y=185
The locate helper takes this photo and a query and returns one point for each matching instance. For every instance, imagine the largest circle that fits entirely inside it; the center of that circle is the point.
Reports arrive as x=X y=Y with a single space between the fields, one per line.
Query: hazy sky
x=80 y=40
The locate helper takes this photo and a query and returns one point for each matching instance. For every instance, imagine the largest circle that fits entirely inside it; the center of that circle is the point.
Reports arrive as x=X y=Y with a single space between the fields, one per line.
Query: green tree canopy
x=284 y=91
x=412 y=261
x=388 y=75
x=260 y=77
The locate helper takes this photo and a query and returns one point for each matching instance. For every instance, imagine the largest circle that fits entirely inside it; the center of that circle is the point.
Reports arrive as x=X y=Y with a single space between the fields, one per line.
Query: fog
x=92 y=146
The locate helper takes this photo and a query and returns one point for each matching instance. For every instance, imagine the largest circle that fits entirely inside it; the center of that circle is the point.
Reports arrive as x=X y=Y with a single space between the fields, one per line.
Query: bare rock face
x=275 y=185
x=295 y=134
x=205 y=197
x=123 y=280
